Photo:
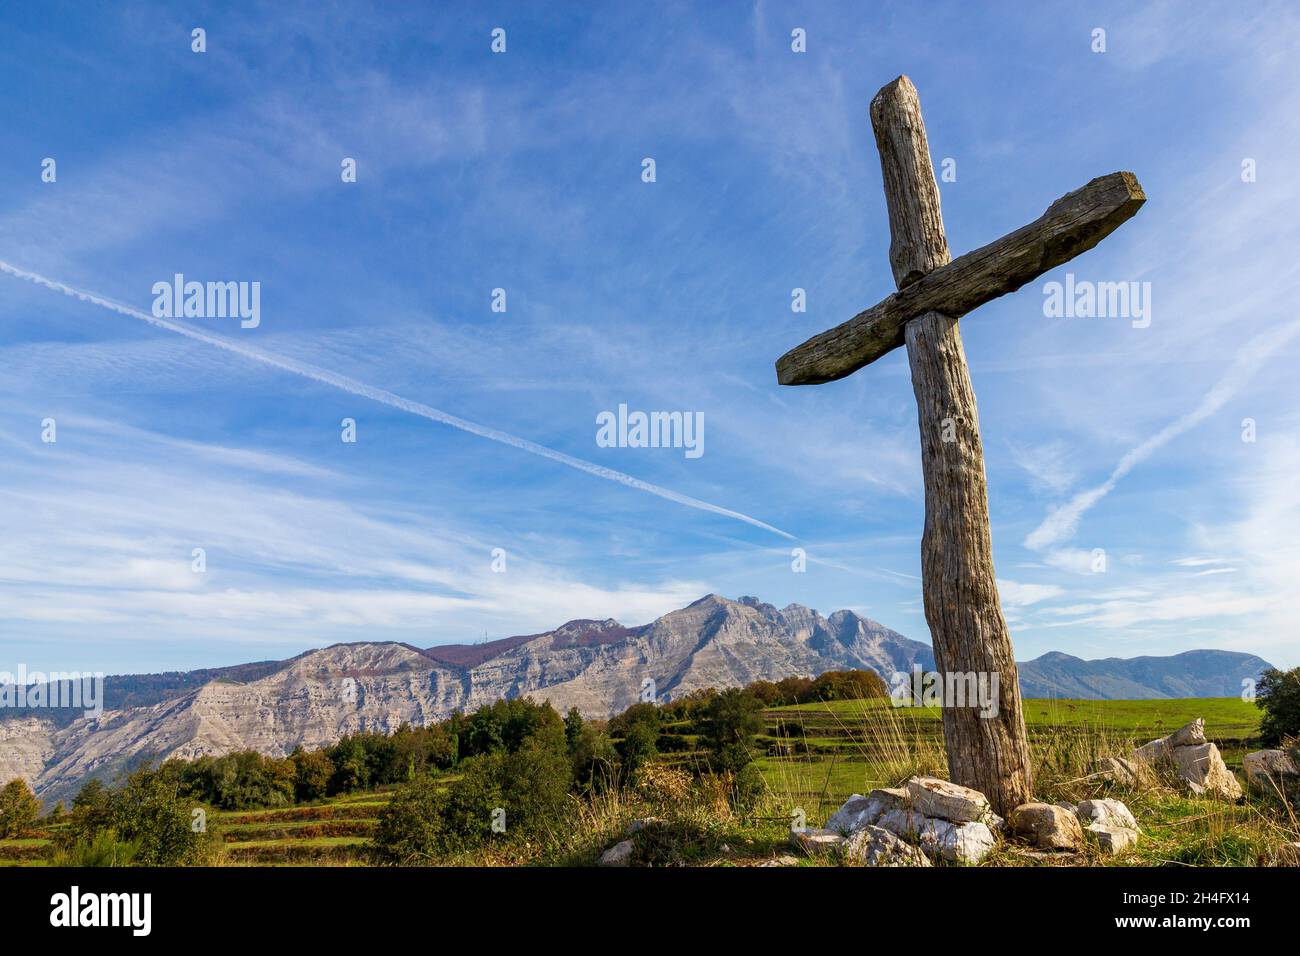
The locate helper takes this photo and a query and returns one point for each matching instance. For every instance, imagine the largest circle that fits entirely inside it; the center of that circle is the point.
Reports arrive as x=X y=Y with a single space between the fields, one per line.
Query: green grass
x=1228 y=717
x=844 y=747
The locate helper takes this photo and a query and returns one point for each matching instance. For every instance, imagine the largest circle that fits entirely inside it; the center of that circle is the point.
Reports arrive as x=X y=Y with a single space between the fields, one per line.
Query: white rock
x=958 y=843
x=859 y=811
x=1196 y=762
x=966 y=842
x=1189 y=735
x=1110 y=840
x=620 y=854
x=1046 y=826
x=1272 y=772
x=1203 y=770
x=947 y=801
x=874 y=846
x=904 y=823
x=1108 y=813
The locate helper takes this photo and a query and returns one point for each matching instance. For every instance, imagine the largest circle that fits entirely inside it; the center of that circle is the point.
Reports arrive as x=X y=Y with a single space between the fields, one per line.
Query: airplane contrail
x=1062 y=522
x=351 y=385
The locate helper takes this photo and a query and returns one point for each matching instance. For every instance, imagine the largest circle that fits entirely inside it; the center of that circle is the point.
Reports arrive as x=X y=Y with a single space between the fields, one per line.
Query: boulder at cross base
x=933 y=797
x=967 y=843
x=1046 y=827
x=874 y=846
x=859 y=811
x=903 y=822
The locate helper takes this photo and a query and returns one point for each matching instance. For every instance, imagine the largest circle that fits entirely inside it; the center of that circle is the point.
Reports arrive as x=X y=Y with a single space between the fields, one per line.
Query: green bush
x=527 y=791
x=313 y=771
x=147 y=821
x=1278 y=695
x=728 y=728
x=594 y=760
x=19 y=808
x=411 y=828
x=238 y=781
x=101 y=849
x=747 y=789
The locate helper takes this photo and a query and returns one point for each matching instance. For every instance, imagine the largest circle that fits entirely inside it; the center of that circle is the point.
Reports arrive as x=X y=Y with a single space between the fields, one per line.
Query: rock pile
x=931 y=819
x=925 y=819
x=1195 y=761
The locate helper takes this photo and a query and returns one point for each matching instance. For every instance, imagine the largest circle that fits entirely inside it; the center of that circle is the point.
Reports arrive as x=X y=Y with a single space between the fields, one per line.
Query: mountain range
x=600 y=667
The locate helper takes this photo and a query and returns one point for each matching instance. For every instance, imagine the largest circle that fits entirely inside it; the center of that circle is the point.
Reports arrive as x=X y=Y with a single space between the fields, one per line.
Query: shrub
x=729 y=727
x=150 y=811
x=313 y=771
x=18 y=808
x=747 y=789
x=531 y=786
x=238 y=781
x=662 y=786
x=146 y=822
x=100 y=849
x=594 y=759
x=411 y=828
x=1278 y=695
x=681 y=841
x=538 y=777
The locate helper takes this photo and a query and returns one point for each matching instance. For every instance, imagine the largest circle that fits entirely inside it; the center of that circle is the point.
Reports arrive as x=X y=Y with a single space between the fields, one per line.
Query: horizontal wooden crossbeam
x=1073 y=224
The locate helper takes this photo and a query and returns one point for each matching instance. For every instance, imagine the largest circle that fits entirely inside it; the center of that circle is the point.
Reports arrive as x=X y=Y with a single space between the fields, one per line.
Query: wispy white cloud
x=343 y=382
x=1062 y=522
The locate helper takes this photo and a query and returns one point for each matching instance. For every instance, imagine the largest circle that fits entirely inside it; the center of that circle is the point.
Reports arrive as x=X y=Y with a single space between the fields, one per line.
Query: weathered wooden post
x=970 y=635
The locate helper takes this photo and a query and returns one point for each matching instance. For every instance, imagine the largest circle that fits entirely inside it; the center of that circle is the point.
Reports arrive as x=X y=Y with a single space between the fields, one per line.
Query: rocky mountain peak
x=597 y=666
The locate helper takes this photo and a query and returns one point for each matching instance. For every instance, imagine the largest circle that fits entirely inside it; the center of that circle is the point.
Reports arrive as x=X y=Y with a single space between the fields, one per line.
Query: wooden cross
x=969 y=632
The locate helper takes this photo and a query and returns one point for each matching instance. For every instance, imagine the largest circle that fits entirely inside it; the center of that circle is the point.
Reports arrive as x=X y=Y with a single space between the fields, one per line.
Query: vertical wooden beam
x=970 y=635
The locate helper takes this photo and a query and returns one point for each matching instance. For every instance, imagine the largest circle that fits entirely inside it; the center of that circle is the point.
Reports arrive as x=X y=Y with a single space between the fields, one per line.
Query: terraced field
x=332 y=832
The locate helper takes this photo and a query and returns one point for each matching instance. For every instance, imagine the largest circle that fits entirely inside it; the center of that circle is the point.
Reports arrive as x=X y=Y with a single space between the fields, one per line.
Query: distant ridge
x=1202 y=673
x=599 y=667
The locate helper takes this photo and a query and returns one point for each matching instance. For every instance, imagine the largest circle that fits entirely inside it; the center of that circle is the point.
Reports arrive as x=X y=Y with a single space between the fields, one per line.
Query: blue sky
x=522 y=171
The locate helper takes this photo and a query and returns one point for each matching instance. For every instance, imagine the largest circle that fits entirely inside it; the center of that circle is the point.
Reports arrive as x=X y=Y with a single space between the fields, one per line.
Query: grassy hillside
x=820 y=753
x=816 y=756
